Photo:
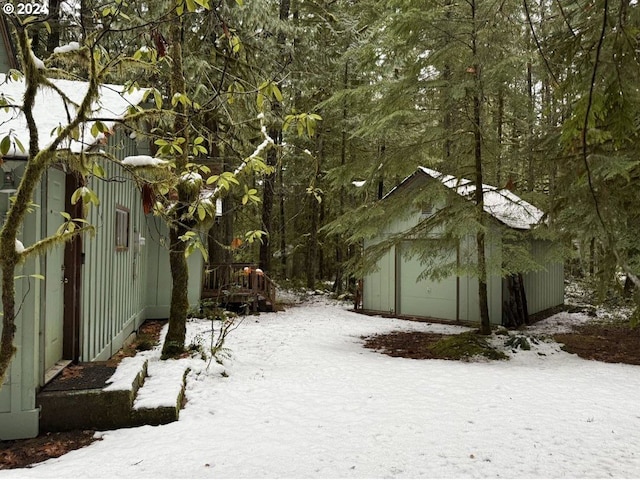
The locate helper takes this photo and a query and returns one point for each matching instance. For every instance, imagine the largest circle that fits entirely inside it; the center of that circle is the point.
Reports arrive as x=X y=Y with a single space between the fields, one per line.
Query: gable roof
x=501 y=204
x=51 y=110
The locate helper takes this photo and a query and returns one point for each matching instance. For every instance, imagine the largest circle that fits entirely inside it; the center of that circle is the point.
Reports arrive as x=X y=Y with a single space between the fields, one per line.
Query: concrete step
x=139 y=391
x=161 y=398
x=85 y=396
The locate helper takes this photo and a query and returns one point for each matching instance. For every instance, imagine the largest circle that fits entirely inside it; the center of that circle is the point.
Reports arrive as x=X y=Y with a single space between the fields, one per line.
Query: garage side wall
x=468 y=287
x=545 y=288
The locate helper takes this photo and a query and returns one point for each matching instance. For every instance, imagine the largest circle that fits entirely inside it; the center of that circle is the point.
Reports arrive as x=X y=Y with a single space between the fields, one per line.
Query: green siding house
x=397 y=286
x=96 y=291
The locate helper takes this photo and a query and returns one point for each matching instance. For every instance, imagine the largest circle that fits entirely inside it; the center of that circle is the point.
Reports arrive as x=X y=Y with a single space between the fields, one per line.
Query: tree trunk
x=283 y=223
x=53 y=40
x=338 y=282
x=500 y=127
x=268 y=191
x=485 y=324
x=530 y=120
x=174 y=341
x=7 y=348
x=267 y=206
x=312 y=247
x=311 y=257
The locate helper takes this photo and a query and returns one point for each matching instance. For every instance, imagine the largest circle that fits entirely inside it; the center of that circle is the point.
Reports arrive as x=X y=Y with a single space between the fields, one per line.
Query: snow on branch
x=143 y=161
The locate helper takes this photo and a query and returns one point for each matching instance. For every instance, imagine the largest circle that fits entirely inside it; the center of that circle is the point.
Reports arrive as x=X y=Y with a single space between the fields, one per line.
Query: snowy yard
x=304 y=399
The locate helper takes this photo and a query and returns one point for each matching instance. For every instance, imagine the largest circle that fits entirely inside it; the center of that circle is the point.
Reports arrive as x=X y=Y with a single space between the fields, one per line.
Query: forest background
x=539 y=96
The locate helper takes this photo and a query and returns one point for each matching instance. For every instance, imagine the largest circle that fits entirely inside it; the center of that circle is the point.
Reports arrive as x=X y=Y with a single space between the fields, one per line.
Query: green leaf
x=276 y=92
x=5 y=144
x=98 y=171
x=311 y=126
x=19 y=144
x=76 y=195
x=157 y=97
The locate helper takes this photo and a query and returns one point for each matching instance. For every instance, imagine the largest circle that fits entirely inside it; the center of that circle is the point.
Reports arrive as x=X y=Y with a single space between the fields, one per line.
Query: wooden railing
x=238 y=279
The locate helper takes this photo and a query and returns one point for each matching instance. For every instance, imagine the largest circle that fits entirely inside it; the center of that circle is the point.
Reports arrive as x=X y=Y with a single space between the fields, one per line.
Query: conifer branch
x=535 y=38
x=592 y=86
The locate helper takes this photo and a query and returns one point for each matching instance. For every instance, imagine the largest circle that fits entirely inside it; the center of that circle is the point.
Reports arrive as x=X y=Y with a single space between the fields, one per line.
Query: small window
x=122 y=228
x=427 y=209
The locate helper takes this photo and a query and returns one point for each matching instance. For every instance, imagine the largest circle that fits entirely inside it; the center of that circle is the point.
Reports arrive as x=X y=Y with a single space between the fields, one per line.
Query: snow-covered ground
x=301 y=398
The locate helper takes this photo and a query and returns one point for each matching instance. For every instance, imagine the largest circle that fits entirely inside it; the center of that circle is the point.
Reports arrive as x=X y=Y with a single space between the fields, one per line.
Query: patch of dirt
x=147 y=337
x=22 y=453
x=415 y=345
x=605 y=342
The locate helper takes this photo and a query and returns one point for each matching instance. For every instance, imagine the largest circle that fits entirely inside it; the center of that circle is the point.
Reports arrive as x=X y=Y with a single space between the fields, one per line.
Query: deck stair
x=239 y=284
x=99 y=396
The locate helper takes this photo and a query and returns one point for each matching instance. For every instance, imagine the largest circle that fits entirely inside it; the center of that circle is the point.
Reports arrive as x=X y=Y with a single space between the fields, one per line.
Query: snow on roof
x=501 y=204
x=50 y=111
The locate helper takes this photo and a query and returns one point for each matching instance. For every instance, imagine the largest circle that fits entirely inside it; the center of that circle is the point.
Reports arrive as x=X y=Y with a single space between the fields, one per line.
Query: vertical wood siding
x=545 y=288
x=113 y=281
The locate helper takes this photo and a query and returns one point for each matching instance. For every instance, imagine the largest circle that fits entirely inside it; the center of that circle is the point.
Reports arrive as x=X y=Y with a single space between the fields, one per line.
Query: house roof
x=51 y=111
x=502 y=204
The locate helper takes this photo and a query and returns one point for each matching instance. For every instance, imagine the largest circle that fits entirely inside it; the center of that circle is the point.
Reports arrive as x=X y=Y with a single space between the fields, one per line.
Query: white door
x=54 y=274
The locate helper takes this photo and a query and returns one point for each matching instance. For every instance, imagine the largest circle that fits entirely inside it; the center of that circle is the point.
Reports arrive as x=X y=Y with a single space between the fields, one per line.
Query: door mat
x=84 y=376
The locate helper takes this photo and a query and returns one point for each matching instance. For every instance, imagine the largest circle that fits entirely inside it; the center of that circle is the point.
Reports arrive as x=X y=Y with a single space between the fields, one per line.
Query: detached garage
x=401 y=284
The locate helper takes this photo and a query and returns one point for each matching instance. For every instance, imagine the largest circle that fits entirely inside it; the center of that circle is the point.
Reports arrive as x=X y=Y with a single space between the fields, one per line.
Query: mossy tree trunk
x=485 y=324
x=175 y=339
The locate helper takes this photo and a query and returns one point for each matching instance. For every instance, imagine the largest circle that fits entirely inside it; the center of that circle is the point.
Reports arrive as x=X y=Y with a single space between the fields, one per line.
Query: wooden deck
x=239 y=284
